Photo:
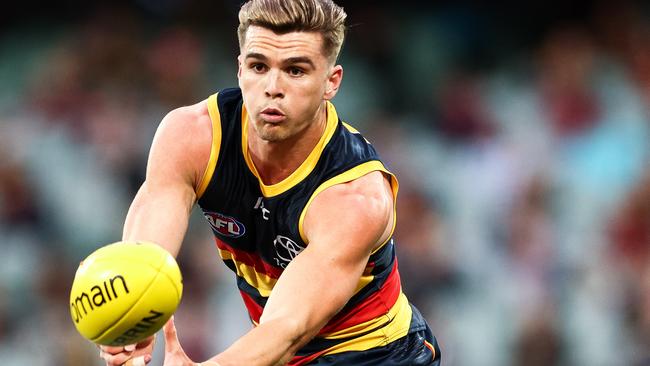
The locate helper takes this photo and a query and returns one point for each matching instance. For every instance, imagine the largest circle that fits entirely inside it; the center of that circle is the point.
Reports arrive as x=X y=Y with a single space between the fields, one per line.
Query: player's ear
x=239 y=65
x=333 y=82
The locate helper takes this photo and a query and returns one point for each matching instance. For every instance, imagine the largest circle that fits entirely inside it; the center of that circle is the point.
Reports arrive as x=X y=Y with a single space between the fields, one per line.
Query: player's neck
x=275 y=161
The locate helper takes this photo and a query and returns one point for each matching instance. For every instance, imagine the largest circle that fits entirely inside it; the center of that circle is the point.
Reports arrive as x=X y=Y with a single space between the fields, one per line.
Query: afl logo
x=225 y=225
x=285 y=250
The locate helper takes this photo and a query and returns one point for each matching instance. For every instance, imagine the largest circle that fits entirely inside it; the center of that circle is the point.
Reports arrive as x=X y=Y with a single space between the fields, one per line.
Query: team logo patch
x=285 y=250
x=225 y=225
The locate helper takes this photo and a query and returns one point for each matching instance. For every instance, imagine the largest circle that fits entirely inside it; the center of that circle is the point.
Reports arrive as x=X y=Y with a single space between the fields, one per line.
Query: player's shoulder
x=183 y=141
x=189 y=116
x=368 y=191
x=186 y=129
x=365 y=202
x=374 y=184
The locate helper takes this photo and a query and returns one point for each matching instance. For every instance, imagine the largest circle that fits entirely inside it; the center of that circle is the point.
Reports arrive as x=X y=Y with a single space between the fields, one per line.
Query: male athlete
x=300 y=205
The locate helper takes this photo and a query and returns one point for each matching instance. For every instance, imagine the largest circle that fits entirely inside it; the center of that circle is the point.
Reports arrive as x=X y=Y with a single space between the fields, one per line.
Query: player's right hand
x=131 y=355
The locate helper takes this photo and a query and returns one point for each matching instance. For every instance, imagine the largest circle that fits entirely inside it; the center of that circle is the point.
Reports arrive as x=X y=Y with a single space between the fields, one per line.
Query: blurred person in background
x=302 y=209
x=630 y=238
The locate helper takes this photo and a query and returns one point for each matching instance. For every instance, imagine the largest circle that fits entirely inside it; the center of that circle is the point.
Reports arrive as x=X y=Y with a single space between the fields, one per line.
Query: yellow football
x=124 y=292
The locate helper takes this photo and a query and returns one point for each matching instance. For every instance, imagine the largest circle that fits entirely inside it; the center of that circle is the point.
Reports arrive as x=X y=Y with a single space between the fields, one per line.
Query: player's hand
x=132 y=355
x=174 y=353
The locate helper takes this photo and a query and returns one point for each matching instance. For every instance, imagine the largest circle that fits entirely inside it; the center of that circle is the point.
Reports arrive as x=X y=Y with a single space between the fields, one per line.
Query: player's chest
x=259 y=226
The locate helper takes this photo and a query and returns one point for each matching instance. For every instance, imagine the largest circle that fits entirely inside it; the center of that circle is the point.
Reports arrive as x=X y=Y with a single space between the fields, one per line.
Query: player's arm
x=179 y=154
x=161 y=208
x=343 y=225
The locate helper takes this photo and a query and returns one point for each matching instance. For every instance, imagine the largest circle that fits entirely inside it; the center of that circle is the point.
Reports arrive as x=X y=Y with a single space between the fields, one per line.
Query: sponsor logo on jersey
x=225 y=225
x=259 y=205
x=285 y=250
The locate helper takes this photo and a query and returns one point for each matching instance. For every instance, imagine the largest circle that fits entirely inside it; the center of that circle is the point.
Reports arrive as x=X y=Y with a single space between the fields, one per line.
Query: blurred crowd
x=521 y=139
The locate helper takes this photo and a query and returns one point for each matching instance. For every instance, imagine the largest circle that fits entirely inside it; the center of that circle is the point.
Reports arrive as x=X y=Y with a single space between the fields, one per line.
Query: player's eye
x=257 y=67
x=296 y=71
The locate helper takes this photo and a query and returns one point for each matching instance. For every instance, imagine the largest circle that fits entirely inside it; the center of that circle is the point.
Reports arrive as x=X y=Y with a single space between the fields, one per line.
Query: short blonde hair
x=283 y=16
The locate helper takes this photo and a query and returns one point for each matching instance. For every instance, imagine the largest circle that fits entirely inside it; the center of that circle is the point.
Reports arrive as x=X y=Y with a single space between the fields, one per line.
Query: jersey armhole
x=215 y=119
x=350 y=175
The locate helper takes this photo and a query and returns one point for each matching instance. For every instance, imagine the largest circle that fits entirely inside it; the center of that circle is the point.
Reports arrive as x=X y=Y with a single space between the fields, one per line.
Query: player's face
x=285 y=79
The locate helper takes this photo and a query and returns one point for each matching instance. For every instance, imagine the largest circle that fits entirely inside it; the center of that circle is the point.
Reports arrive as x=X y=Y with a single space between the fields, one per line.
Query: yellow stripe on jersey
x=215 y=118
x=304 y=169
x=351 y=129
x=430 y=347
x=365 y=279
x=263 y=283
x=394 y=186
x=396 y=324
x=354 y=131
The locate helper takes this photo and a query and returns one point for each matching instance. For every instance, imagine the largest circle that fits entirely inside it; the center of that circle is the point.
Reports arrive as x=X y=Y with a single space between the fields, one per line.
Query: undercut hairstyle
x=284 y=16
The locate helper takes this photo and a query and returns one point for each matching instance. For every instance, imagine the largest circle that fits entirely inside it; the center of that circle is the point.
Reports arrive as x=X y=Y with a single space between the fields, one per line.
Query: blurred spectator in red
x=462 y=116
x=631 y=231
x=17 y=200
x=624 y=31
x=566 y=65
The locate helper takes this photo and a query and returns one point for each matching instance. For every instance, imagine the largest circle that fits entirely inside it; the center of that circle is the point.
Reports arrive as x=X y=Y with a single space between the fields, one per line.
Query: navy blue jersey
x=258 y=227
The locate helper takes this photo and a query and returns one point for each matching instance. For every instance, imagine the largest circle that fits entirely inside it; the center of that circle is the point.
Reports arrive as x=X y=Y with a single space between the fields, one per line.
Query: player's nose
x=273 y=87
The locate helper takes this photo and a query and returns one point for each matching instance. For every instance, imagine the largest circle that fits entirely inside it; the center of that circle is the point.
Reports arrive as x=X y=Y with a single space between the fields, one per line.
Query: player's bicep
x=355 y=216
x=181 y=147
x=161 y=208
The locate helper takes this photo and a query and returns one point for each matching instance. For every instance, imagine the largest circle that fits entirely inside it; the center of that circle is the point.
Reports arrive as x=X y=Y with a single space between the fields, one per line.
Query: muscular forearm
x=160 y=215
x=269 y=344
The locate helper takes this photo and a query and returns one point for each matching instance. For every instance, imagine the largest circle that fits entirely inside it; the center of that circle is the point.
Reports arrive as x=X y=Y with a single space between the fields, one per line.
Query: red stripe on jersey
x=254 y=310
x=303 y=360
x=251 y=260
x=375 y=305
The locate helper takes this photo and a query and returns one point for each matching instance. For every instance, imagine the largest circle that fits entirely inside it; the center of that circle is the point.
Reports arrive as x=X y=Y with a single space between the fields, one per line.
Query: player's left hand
x=131 y=355
x=174 y=353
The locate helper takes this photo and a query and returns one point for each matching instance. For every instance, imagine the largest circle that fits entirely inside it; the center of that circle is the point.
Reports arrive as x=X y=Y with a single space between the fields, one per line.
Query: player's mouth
x=272 y=115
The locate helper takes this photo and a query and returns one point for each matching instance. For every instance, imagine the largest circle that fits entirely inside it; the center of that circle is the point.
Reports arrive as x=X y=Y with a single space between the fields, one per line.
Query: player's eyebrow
x=256 y=55
x=287 y=61
x=299 y=60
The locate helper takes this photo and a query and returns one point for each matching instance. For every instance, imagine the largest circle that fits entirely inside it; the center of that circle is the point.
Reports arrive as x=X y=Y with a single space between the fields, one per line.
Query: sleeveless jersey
x=258 y=227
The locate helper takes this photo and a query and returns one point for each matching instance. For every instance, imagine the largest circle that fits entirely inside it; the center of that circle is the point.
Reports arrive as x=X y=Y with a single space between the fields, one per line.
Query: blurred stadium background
x=520 y=133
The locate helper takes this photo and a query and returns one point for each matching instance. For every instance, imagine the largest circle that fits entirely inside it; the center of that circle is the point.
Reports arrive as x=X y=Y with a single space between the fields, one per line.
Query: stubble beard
x=272 y=134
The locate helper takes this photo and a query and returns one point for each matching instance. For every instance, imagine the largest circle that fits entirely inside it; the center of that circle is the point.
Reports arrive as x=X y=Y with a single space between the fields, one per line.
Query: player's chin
x=273 y=133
